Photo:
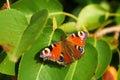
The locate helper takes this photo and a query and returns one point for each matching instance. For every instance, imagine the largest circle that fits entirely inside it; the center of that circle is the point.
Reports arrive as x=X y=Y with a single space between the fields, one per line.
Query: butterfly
x=67 y=50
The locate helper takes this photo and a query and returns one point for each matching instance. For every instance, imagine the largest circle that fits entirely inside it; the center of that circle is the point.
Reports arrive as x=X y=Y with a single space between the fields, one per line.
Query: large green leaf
x=29 y=7
x=104 y=55
x=12 y=25
x=6 y=66
x=91 y=17
x=38 y=70
x=16 y=40
x=37 y=23
x=30 y=59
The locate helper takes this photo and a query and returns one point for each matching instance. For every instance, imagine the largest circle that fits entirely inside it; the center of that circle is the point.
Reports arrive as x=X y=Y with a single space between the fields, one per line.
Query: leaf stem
x=113 y=14
x=64 y=13
x=54 y=23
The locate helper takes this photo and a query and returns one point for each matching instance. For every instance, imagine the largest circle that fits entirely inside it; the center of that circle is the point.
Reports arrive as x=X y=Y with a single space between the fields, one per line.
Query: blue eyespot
x=61 y=59
x=80 y=49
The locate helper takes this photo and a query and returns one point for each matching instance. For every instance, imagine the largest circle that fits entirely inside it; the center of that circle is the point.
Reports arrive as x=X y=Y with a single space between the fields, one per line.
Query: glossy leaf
x=13 y=23
x=23 y=40
x=105 y=5
x=30 y=59
x=38 y=21
x=6 y=66
x=69 y=27
x=39 y=70
x=117 y=18
x=30 y=7
x=91 y=17
x=104 y=55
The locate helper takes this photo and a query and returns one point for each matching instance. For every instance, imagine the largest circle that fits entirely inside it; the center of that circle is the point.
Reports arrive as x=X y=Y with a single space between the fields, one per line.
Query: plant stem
x=8 y=4
x=65 y=13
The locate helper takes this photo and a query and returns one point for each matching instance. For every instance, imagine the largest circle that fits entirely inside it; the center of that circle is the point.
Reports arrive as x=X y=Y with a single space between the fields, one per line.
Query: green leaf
x=57 y=36
x=6 y=66
x=23 y=40
x=117 y=18
x=34 y=65
x=105 y=5
x=91 y=17
x=30 y=7
x=13 y=23
x=68 y=27
x=38 y=21
x=39 y=70
x=104 y=55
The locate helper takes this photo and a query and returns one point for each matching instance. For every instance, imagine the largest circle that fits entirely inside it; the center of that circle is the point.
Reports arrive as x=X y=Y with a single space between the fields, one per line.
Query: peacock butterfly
x=67 y=50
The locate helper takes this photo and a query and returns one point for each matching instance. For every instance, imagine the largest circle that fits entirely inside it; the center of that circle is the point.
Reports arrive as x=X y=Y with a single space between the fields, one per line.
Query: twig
x=8 y=4
x=104 y=31
x=116 y=36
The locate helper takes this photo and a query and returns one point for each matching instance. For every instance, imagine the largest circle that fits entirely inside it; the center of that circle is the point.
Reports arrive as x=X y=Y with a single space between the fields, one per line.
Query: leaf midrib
x=73 y=71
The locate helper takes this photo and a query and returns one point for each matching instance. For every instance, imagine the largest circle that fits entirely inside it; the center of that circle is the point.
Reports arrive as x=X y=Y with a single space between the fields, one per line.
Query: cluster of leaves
x=28 y=26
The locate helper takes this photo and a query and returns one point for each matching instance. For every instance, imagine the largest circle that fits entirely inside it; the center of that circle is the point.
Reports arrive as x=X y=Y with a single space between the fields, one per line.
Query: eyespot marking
x=80 y=49
x=45 y=53
x=61 y=59
x=82 y=34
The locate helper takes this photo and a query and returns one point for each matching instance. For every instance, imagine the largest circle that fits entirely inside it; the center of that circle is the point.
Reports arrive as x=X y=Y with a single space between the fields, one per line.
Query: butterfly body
x=67 y=50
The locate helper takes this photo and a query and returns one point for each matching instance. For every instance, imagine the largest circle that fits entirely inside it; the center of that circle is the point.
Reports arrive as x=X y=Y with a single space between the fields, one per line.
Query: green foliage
x=104 y=55
x=28 y=27
x=11 y=35
x=30 y=7
x=94 y=12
